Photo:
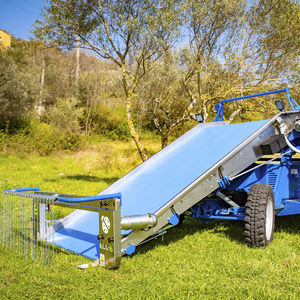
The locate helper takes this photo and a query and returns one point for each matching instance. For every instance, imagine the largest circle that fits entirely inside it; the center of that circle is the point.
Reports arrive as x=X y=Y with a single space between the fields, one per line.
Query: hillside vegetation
x=121 y=69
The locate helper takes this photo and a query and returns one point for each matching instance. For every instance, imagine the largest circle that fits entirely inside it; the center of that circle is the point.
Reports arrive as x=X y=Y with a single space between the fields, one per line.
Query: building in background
x=5 y=39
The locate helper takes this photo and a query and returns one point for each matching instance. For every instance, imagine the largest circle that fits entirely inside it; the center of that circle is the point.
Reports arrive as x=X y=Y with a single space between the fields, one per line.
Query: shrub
x=65 y=115
x=41 y=138
x=17 y=93
x=46 y=138
x=111 y=122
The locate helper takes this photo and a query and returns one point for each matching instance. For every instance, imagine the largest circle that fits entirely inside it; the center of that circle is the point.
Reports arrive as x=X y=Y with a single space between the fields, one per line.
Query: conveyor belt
x=155 y=182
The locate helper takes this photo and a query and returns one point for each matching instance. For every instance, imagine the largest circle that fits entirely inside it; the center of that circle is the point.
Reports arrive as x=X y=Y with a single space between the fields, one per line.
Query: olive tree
x=132 y=33
x=239 y=47
x=211 y=27
x=163 y=103
x=17 y=93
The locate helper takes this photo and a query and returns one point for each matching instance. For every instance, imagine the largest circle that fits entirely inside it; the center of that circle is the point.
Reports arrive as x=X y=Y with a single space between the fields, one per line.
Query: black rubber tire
x=259 y=230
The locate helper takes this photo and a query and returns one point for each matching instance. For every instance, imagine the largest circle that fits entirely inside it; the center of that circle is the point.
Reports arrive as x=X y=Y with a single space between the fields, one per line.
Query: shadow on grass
x=289 y=224
x=190 y=226
x=83 y=178
x=107 y=180
x=88 y=178
x=233 y=230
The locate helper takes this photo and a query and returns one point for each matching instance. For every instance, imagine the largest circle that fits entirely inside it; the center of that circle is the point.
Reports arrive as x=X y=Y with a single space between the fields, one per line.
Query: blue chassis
x=282 y=175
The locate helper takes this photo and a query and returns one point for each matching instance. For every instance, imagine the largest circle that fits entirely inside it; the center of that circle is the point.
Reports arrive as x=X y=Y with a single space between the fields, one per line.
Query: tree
x=252 y=47
x=163 y=101
x=91 y=85
x=211 y=26
x=266 y=51
x=17 y=94
x=52 y=69
x=133 y=34
x=65 y=116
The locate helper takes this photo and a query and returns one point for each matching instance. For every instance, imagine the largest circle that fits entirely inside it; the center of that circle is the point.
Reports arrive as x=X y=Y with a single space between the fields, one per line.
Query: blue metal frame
x=30 y=189
x=290 y=208
x=69 y=199
x=210 y=209
x=219 y=107
x=282 y=175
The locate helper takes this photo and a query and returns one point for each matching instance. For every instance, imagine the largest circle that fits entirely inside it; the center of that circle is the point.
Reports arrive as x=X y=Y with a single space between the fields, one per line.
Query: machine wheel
x=260 y=216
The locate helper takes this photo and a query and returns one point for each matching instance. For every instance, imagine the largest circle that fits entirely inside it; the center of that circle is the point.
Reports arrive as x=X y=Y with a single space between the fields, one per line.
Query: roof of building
x=4 y=31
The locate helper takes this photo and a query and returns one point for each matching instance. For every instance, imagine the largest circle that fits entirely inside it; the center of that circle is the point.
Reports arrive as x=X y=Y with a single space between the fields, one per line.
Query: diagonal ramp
x=151 y=186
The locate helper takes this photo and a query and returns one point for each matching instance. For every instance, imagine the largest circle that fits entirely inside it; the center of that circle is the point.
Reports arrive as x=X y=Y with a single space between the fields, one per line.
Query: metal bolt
x=100 y=236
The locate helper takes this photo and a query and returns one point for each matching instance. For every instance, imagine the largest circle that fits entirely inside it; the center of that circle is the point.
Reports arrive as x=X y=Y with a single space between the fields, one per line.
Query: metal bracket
x=224 y=181
x=226 y=199
x=174 y=219
x=110 y=233
x=130 y=249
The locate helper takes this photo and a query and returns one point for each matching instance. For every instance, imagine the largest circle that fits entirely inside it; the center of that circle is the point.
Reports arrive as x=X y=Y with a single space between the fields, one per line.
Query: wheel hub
x=269 y=218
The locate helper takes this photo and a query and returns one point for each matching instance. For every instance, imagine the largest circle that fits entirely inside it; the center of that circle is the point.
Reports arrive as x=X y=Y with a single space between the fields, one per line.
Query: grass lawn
x=193 y=260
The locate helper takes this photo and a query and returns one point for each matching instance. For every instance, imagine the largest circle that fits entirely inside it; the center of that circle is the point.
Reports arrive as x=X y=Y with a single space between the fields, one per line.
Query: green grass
x=193 y=260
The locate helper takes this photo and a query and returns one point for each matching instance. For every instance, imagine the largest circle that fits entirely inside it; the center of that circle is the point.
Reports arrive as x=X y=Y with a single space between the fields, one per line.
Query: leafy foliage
x=16 y=93
x=170 y=59
x=132 y=34
x=237 y=48
x=111 y=122
x=65 y=115
x=39 y=138
x=163 y=103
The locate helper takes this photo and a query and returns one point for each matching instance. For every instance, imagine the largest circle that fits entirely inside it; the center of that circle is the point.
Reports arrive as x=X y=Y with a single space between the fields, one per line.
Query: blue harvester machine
x=214 y=171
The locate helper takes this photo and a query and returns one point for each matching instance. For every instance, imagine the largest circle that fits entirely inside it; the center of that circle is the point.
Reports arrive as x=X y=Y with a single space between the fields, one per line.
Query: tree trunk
x=77 y=69
x=133 y=133
x=42 y=84
x=164 y=141
x=234 y=114
x=204 y=110
x=42 y=81
x=87 y=121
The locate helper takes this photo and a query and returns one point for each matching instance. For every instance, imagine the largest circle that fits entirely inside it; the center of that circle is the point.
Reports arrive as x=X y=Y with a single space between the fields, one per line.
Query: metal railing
x=219 y=107
x=27 y=223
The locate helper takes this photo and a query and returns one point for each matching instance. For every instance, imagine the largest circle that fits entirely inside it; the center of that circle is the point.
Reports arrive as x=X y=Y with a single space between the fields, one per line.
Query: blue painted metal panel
x=174 y=219
x=290 y=208
x=284 y=178
x=155 y=182
x=80 y=235
x=152 y=184
x=130 y=249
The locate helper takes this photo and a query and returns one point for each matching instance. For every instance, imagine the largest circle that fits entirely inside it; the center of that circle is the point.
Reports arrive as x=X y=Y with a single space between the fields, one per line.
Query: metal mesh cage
x=26 y=225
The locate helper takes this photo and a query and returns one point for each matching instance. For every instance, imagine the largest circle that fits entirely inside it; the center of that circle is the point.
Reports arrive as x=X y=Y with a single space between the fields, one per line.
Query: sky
x=17 y=16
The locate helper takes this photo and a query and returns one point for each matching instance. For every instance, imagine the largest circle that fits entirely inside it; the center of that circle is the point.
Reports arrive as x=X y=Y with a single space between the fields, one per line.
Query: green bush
x=65 y=115
x=41 y=138
x=46 y=138
x=17 y=91
x=15 y=125
x=111 y=122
